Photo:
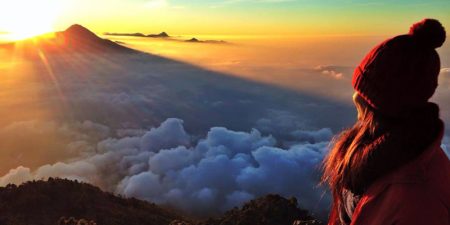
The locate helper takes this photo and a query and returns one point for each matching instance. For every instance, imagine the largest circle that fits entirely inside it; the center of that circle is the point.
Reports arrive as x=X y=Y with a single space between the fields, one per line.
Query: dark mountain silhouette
x=79 y=32
x=76 y=38
x=126 y=34
x=47 y=202
x=164 y=35
x=195 y=40
x=66 y=202
x=80 y=38
x=160 y=35
x=268 y=210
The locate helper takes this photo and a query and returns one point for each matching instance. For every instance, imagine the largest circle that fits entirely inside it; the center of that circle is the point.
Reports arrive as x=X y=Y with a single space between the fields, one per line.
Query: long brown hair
x=375 y=146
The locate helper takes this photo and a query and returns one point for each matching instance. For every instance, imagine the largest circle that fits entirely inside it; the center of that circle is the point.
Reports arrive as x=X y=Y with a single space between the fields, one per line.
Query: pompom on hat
x=401 y=73
x=428 y=32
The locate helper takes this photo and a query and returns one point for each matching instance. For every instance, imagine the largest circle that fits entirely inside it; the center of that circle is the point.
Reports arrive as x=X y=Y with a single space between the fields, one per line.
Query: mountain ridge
x=160 y=35
x=65 y=202
x=75 y=38
x=61 y=198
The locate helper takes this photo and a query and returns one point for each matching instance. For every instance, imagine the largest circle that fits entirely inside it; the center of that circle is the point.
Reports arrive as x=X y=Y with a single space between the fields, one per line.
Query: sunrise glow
x=21 y=19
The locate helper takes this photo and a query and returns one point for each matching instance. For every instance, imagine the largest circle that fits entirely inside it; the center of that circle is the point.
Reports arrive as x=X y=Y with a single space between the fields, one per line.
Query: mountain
x=47 y=202
x=166 y=36
x=76 y=38
x=193 y=40
x=78 y=32
x=160 y=35
x=267 y=210
x=80 y=38
x=126 y=34
x=66 y=202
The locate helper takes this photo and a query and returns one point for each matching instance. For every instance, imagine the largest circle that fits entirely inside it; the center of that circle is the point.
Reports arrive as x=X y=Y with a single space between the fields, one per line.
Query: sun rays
x=51 y=60
x=26 y=18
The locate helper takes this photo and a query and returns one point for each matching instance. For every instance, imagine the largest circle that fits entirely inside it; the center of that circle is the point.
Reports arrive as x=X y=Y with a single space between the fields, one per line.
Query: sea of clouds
x=108 y=126
x=201 y=176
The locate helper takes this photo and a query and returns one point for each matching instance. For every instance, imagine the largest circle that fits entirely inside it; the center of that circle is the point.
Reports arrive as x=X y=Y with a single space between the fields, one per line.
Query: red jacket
x=417 y=193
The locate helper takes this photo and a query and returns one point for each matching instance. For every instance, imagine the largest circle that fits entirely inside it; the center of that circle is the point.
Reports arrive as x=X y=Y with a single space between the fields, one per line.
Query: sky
x=224 y=17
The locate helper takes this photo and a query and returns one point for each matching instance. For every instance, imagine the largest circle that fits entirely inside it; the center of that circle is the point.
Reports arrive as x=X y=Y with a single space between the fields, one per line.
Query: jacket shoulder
x=417 y=194
x=437 y=177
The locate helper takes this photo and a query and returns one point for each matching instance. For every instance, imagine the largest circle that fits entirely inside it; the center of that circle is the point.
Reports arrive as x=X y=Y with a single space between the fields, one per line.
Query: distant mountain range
x=165 y=36
x=65 y=202
x=195 y=40
x=160 y=35
x=80 y=39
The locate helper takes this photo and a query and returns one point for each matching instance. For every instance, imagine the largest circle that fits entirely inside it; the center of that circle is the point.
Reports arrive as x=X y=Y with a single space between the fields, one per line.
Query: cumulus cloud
x=332 y=71
x=171 y=133
x=321 y=135
x=213 y=174
x=16 y=176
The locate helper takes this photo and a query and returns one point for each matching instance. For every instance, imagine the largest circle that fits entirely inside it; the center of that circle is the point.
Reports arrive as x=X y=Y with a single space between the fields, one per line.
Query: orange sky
x=230 y=17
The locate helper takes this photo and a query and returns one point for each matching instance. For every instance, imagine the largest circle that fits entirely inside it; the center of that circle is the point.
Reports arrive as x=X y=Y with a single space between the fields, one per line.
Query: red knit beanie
x=401 y=73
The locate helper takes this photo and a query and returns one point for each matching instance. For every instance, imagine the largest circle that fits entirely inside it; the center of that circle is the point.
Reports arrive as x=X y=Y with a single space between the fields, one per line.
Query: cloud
x=34 y=143
x=445 y=70
x=444 y=77
x=332 y=71
x=213 y=174
x=320 y=135
x=16 y=176
x=169 y=134
x=278 y=122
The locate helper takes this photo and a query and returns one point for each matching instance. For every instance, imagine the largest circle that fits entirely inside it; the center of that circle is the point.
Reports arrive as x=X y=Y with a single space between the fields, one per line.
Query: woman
x=389 y=167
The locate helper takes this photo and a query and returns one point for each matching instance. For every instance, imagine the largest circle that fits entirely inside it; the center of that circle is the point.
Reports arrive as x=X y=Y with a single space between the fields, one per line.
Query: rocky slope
x=268 y=210
x=65 y=202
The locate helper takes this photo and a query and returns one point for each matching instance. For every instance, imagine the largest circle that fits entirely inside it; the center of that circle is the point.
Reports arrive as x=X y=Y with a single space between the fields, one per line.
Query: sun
x=26 y=18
